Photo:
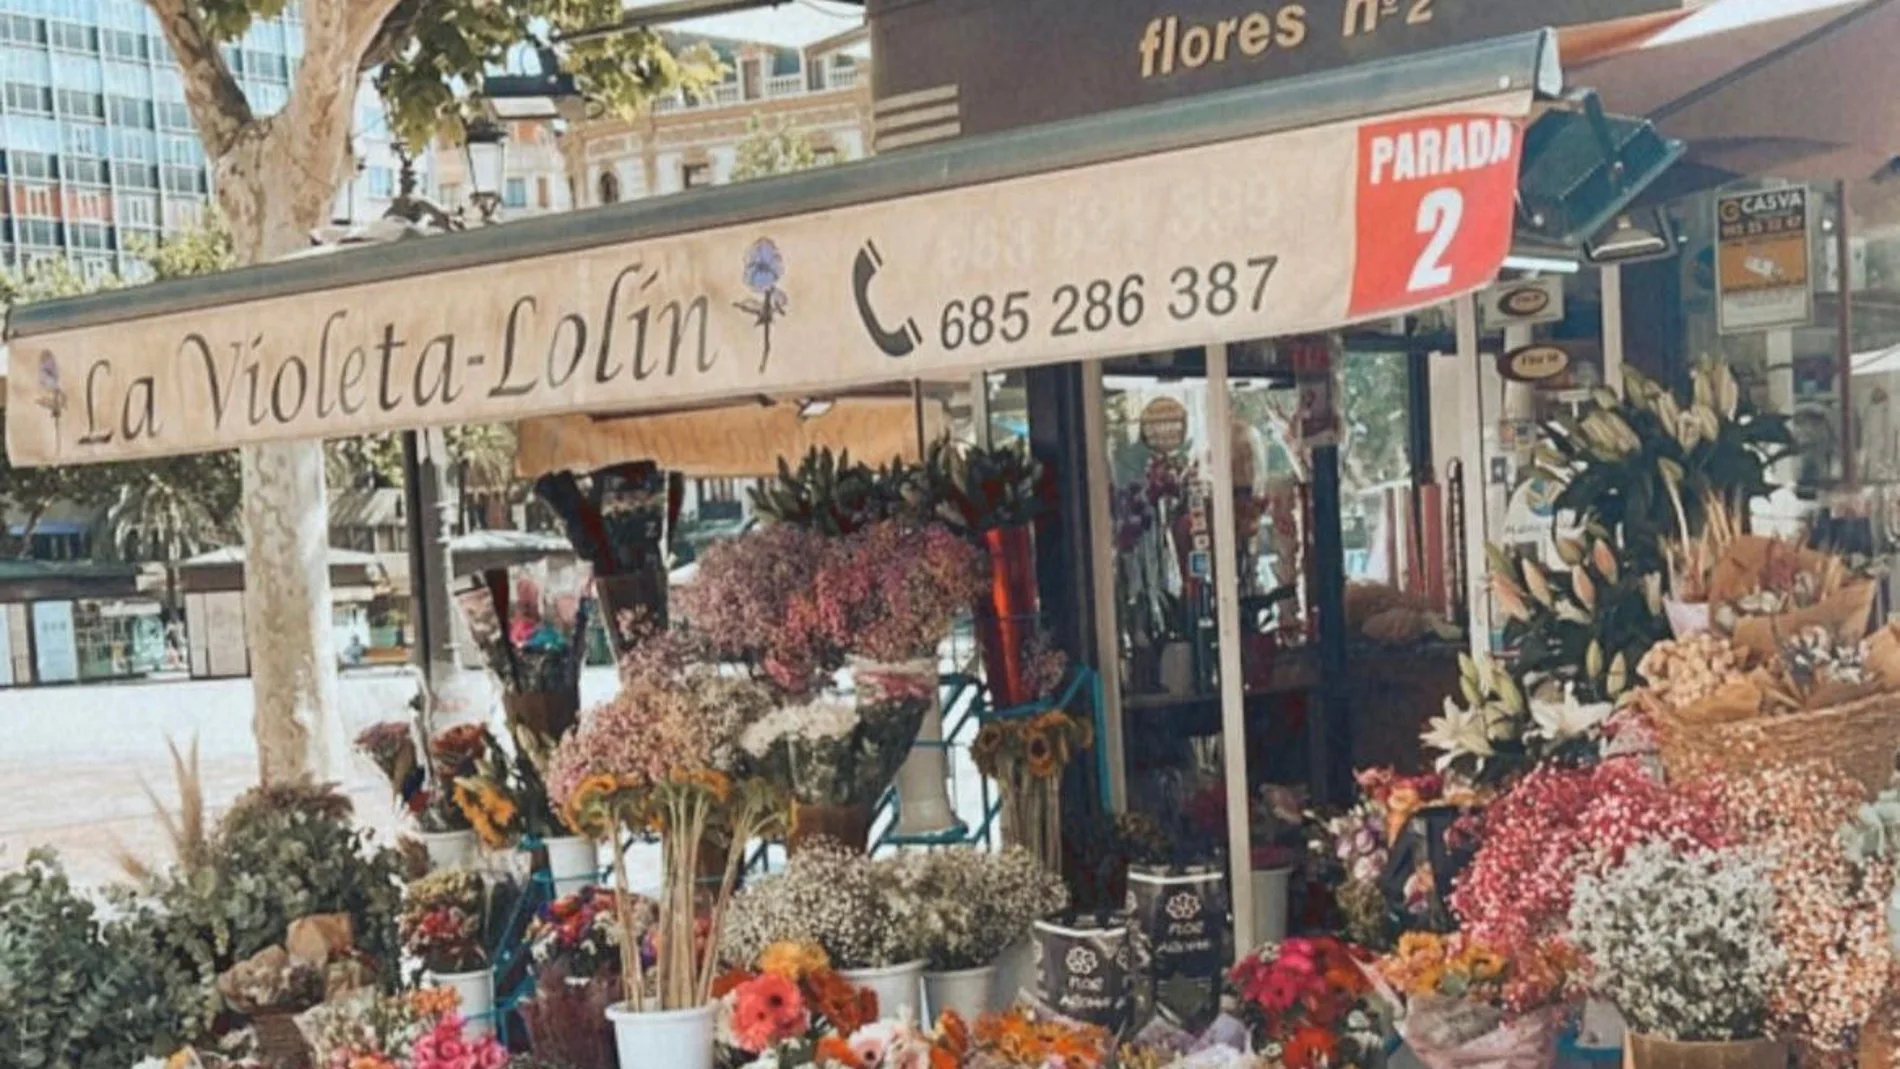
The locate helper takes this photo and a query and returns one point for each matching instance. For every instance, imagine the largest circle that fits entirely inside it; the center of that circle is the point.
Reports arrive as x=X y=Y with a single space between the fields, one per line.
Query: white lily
x=1561 y=721
x=1459 y=733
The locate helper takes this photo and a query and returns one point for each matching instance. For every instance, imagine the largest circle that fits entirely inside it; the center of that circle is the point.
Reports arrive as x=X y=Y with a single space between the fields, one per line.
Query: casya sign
x=1277 y=234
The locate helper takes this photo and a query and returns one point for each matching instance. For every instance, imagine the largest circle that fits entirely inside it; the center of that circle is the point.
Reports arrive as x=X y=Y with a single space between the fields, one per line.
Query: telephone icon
x=899 y=342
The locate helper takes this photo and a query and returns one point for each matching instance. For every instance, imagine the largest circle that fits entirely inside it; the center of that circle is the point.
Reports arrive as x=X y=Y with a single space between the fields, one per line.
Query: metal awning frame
x=1439 y=78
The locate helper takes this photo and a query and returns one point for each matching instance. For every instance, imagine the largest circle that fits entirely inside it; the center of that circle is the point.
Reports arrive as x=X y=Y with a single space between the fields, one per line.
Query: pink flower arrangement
x=446 y=1048
x=752 y=602
x=1559 y=823
x=1830 y=914
x=893 y=591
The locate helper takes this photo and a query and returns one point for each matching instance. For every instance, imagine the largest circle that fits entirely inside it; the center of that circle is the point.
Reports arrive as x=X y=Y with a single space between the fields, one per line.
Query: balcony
x=777 y=87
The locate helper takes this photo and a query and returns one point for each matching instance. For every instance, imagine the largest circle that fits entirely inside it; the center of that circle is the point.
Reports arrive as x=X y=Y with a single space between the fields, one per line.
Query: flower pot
x=547 y=714
x=573 y=863
x=1270 y=904
x=899 y=988
x=1006 y=614
x=1650 y=1052
x=450 y=849
x=664 y=1039
x=849 y=825
x=477 y=993
x=969 y=993
x=923 y=783
x=1686 y=617
x=1015 y=972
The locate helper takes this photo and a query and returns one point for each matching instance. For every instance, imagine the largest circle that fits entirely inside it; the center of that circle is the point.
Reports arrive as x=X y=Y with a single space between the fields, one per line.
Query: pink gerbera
x=767 y=1011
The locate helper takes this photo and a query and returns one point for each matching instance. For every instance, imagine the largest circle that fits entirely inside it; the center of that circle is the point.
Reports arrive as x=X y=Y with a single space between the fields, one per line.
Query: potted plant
x=506 y=802
x=662 y=759
x=1683 y=944
x=446 y=831
x=857 y=910
x=833 y=495
x=442 y=926
x=994 y=496
x=974 y=906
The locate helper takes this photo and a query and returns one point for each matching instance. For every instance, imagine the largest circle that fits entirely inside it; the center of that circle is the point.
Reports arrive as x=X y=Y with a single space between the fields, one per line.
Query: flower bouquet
x=417 y=1030
x=535 y=643
x=862 y=913
x=792 y=999
x=1025 y=755
x=974 y=906
x=574 y=944
x=752 y=603
x=391 y=747
x=1683 y=942
x=661 y=759
x=1307 y=1004
x=454 y=754
x=1465 y=1005
x=831 y=756
x=506 y=798
x=271 y=988
x=1026 y=1039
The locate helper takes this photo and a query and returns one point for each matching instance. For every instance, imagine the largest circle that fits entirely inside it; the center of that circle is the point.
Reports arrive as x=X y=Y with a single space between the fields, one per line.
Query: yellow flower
x=793 y=961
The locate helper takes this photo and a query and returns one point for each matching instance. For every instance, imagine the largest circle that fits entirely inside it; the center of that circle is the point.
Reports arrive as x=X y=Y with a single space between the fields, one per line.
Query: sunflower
x=1041 y=753
x=489 y=810
x=989 y=746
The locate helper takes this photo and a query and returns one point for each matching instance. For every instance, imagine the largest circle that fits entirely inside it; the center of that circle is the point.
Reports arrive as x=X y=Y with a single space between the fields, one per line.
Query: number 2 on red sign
x=1433 y=206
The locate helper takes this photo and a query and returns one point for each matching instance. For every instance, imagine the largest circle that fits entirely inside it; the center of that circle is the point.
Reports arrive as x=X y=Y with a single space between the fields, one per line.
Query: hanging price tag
x=1435 y=199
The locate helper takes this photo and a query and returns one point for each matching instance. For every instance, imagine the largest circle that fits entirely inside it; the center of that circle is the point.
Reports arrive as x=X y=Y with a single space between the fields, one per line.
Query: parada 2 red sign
x=1434 y=208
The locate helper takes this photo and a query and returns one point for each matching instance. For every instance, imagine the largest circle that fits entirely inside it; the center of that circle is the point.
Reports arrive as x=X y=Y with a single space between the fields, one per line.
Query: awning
x=1794 y=88
x=1290 y=207
x=730 y=441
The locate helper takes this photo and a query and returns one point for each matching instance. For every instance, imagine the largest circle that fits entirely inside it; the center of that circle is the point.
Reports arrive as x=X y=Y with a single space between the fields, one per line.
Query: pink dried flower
x=894 y=591
x=752 y=600
x=1559 y=823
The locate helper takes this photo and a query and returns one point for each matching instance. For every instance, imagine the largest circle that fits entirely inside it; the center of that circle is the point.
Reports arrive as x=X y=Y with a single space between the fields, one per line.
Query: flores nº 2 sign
x=1277 y=234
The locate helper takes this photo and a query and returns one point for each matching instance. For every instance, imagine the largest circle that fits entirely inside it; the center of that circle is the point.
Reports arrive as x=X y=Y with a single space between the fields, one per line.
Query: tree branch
x=395 y=31
x=217 y=103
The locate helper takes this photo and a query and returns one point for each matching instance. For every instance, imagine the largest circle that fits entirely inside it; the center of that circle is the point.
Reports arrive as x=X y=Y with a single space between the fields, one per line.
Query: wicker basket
x=1859 y=738
x=280 y=1043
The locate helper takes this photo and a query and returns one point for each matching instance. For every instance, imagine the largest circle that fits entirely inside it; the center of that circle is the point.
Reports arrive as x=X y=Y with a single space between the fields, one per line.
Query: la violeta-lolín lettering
x=356 y=369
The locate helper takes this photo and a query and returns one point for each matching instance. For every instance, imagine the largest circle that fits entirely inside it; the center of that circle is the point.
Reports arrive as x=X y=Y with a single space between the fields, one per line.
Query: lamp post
x=487 y=146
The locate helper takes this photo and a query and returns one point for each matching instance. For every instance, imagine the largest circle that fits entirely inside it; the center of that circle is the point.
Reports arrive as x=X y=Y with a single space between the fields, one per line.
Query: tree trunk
x=287 y=606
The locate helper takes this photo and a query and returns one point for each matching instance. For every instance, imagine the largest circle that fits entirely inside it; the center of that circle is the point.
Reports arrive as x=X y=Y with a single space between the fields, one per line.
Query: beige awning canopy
x=738 y=440
x=1793 y=88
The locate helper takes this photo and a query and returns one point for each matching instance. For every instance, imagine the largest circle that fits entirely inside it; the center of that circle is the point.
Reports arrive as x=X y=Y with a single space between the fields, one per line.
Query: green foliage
x=431 y=51
x=77 y=991
x=836 y=495
x=1587 y=625
x=766 y=150
x=282 y=852
x=976 y=490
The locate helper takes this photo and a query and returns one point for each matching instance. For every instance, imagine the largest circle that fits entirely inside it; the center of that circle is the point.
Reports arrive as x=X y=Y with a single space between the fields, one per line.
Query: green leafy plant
x=1584 y=626
x=977 y=489
x=78 y=990
x=833 y=494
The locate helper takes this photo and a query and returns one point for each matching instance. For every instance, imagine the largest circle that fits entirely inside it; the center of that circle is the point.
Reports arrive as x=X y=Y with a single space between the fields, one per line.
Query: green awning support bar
x=1441 y=77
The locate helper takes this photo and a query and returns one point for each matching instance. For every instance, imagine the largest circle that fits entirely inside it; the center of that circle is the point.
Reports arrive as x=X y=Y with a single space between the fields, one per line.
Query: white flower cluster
x=828 y=717
x=972 y=905
x=1683 y=945
x=853 y=907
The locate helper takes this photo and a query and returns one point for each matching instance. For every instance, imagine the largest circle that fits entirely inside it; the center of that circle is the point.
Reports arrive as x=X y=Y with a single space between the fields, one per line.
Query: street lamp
x=487 y=146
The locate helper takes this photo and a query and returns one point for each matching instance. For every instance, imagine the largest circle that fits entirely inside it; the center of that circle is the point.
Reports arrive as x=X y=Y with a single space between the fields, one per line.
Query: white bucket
x=966 y=992
x=1015 y=971
x=664 y=1039
x=477 y=993
x=573 y=862
x=899 y=988
x=450 y=849
x=1270 y=904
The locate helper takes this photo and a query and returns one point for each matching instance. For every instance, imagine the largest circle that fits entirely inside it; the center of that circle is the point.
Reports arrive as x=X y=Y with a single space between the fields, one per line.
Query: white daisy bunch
x=855 y=908
x=1683 y=944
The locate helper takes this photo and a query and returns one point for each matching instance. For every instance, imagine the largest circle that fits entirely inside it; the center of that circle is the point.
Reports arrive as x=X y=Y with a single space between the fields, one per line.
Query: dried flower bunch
x=1830 y=912
x=973 y=905
x=752 y=602
x=1429 y=965
x=1558 y=824
x=418 y=1030
x=1683 y=942
x=441 y=922
x=391 y=747
x=895 y=589
x=1682 y=671
x=854 y=908
x=454 y=754
x=271 y=981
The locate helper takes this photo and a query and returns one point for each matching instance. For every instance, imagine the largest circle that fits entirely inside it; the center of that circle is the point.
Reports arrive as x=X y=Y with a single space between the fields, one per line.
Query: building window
x=38 y=232
x=35 y=201
x=21 y=28
x=174 y=115
x=70 y=37
x=450 y=194
x=609 y=188
x=89 y=235
x=134 y=175
x=183 y=180
x=29 y=99
x=79 y=104
x=543 y=195
x=182 y=151
x=695 y=175
x=137 y=146
x=380 y=181
x=137 y=210
x=87 y=204
x=83 y=169
x=126 y=45
x=125 y=111
x=515 y=193
x=30 y=165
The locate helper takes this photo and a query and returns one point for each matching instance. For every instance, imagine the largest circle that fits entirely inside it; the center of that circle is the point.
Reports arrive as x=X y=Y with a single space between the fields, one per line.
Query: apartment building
x=97 y=148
